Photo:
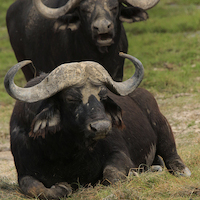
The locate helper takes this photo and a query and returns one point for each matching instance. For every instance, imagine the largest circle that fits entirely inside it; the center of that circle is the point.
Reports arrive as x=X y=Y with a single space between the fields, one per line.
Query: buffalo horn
x=144 y=4
x=54 y=13
x=126 y=87
x=62 y=77
x=72 y=74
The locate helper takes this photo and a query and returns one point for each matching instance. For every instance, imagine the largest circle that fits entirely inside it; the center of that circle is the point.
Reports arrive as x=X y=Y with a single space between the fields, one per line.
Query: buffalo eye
x=114 y=9
x=103 y=94
x=73 y=99
x=85 y=10
x=73 y=96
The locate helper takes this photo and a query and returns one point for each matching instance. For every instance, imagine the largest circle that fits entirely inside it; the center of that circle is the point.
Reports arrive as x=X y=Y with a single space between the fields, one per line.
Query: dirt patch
x=183 y=114
x=7 y=168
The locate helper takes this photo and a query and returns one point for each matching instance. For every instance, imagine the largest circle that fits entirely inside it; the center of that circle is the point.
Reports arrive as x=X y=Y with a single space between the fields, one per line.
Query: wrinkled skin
x=77 y=136
x=92 y=31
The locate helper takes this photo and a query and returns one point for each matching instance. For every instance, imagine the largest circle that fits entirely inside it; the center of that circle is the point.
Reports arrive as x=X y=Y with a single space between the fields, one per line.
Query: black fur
x=69 y=154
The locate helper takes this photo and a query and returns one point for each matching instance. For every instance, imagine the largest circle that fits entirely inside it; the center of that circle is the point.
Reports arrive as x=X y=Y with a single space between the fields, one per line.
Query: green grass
x=170 y=68
x=7 y=58
x=168 y=46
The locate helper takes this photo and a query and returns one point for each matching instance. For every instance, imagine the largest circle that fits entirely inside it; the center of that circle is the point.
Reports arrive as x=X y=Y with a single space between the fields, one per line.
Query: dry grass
x=5 y=113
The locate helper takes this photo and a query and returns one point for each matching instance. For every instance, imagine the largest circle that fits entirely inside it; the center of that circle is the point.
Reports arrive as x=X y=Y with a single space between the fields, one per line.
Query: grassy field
x=168 y=46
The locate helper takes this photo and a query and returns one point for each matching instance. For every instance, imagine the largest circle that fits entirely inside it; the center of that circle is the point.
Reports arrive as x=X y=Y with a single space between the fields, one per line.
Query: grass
x=168 y=46
x=7 y=58
x=167 y=66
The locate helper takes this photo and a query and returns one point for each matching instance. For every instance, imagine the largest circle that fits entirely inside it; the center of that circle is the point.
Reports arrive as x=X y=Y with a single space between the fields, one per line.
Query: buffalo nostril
x=102 y=26
x=96 y=28
x=100 y=126
x=109 y=25
x=93 y=128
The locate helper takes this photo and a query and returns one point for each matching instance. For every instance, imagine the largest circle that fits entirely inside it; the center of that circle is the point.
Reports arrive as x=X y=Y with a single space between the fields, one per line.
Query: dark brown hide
x=54 y=143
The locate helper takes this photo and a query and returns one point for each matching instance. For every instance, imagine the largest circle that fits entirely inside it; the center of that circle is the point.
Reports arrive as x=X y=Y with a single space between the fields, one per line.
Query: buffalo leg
x=166 y=148
x=117 y=168
x=34 y=188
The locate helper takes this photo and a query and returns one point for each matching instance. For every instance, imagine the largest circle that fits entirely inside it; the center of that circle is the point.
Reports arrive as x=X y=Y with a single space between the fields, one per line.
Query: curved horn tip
x=121 y=53
x=54 y=13
x=124 y=55
x=144 y=4
x=130 y=57
x=132 y=83
x=25 y=62
x=18 y=66
x=8 y=79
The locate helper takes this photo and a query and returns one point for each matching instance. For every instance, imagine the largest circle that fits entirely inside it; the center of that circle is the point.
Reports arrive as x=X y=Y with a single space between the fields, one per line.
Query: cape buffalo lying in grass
x=67 y=126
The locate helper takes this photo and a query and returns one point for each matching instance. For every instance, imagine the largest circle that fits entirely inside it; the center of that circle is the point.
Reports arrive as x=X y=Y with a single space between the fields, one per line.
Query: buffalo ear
x=46 y=122
x=132 y=14
x=115 y=112
x=69 y=21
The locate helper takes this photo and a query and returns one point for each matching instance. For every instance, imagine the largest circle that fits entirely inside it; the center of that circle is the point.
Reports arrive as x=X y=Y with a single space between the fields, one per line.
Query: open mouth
x=104 y=39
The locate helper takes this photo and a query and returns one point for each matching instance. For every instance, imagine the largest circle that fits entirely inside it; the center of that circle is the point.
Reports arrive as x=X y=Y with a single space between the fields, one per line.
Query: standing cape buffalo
x=68 y=127
x=77 y=30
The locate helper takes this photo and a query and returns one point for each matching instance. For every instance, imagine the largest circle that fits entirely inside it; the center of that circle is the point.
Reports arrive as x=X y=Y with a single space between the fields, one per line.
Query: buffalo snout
x=103 y=32
x=98 y=129
x=103 y=26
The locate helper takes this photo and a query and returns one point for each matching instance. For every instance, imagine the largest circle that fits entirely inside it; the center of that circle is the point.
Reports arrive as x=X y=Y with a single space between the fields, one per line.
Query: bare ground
x=181 y=110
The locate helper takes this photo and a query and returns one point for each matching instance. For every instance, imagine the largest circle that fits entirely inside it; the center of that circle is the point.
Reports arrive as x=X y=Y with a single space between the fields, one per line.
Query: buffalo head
x=100 y=19
x=81 y=90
